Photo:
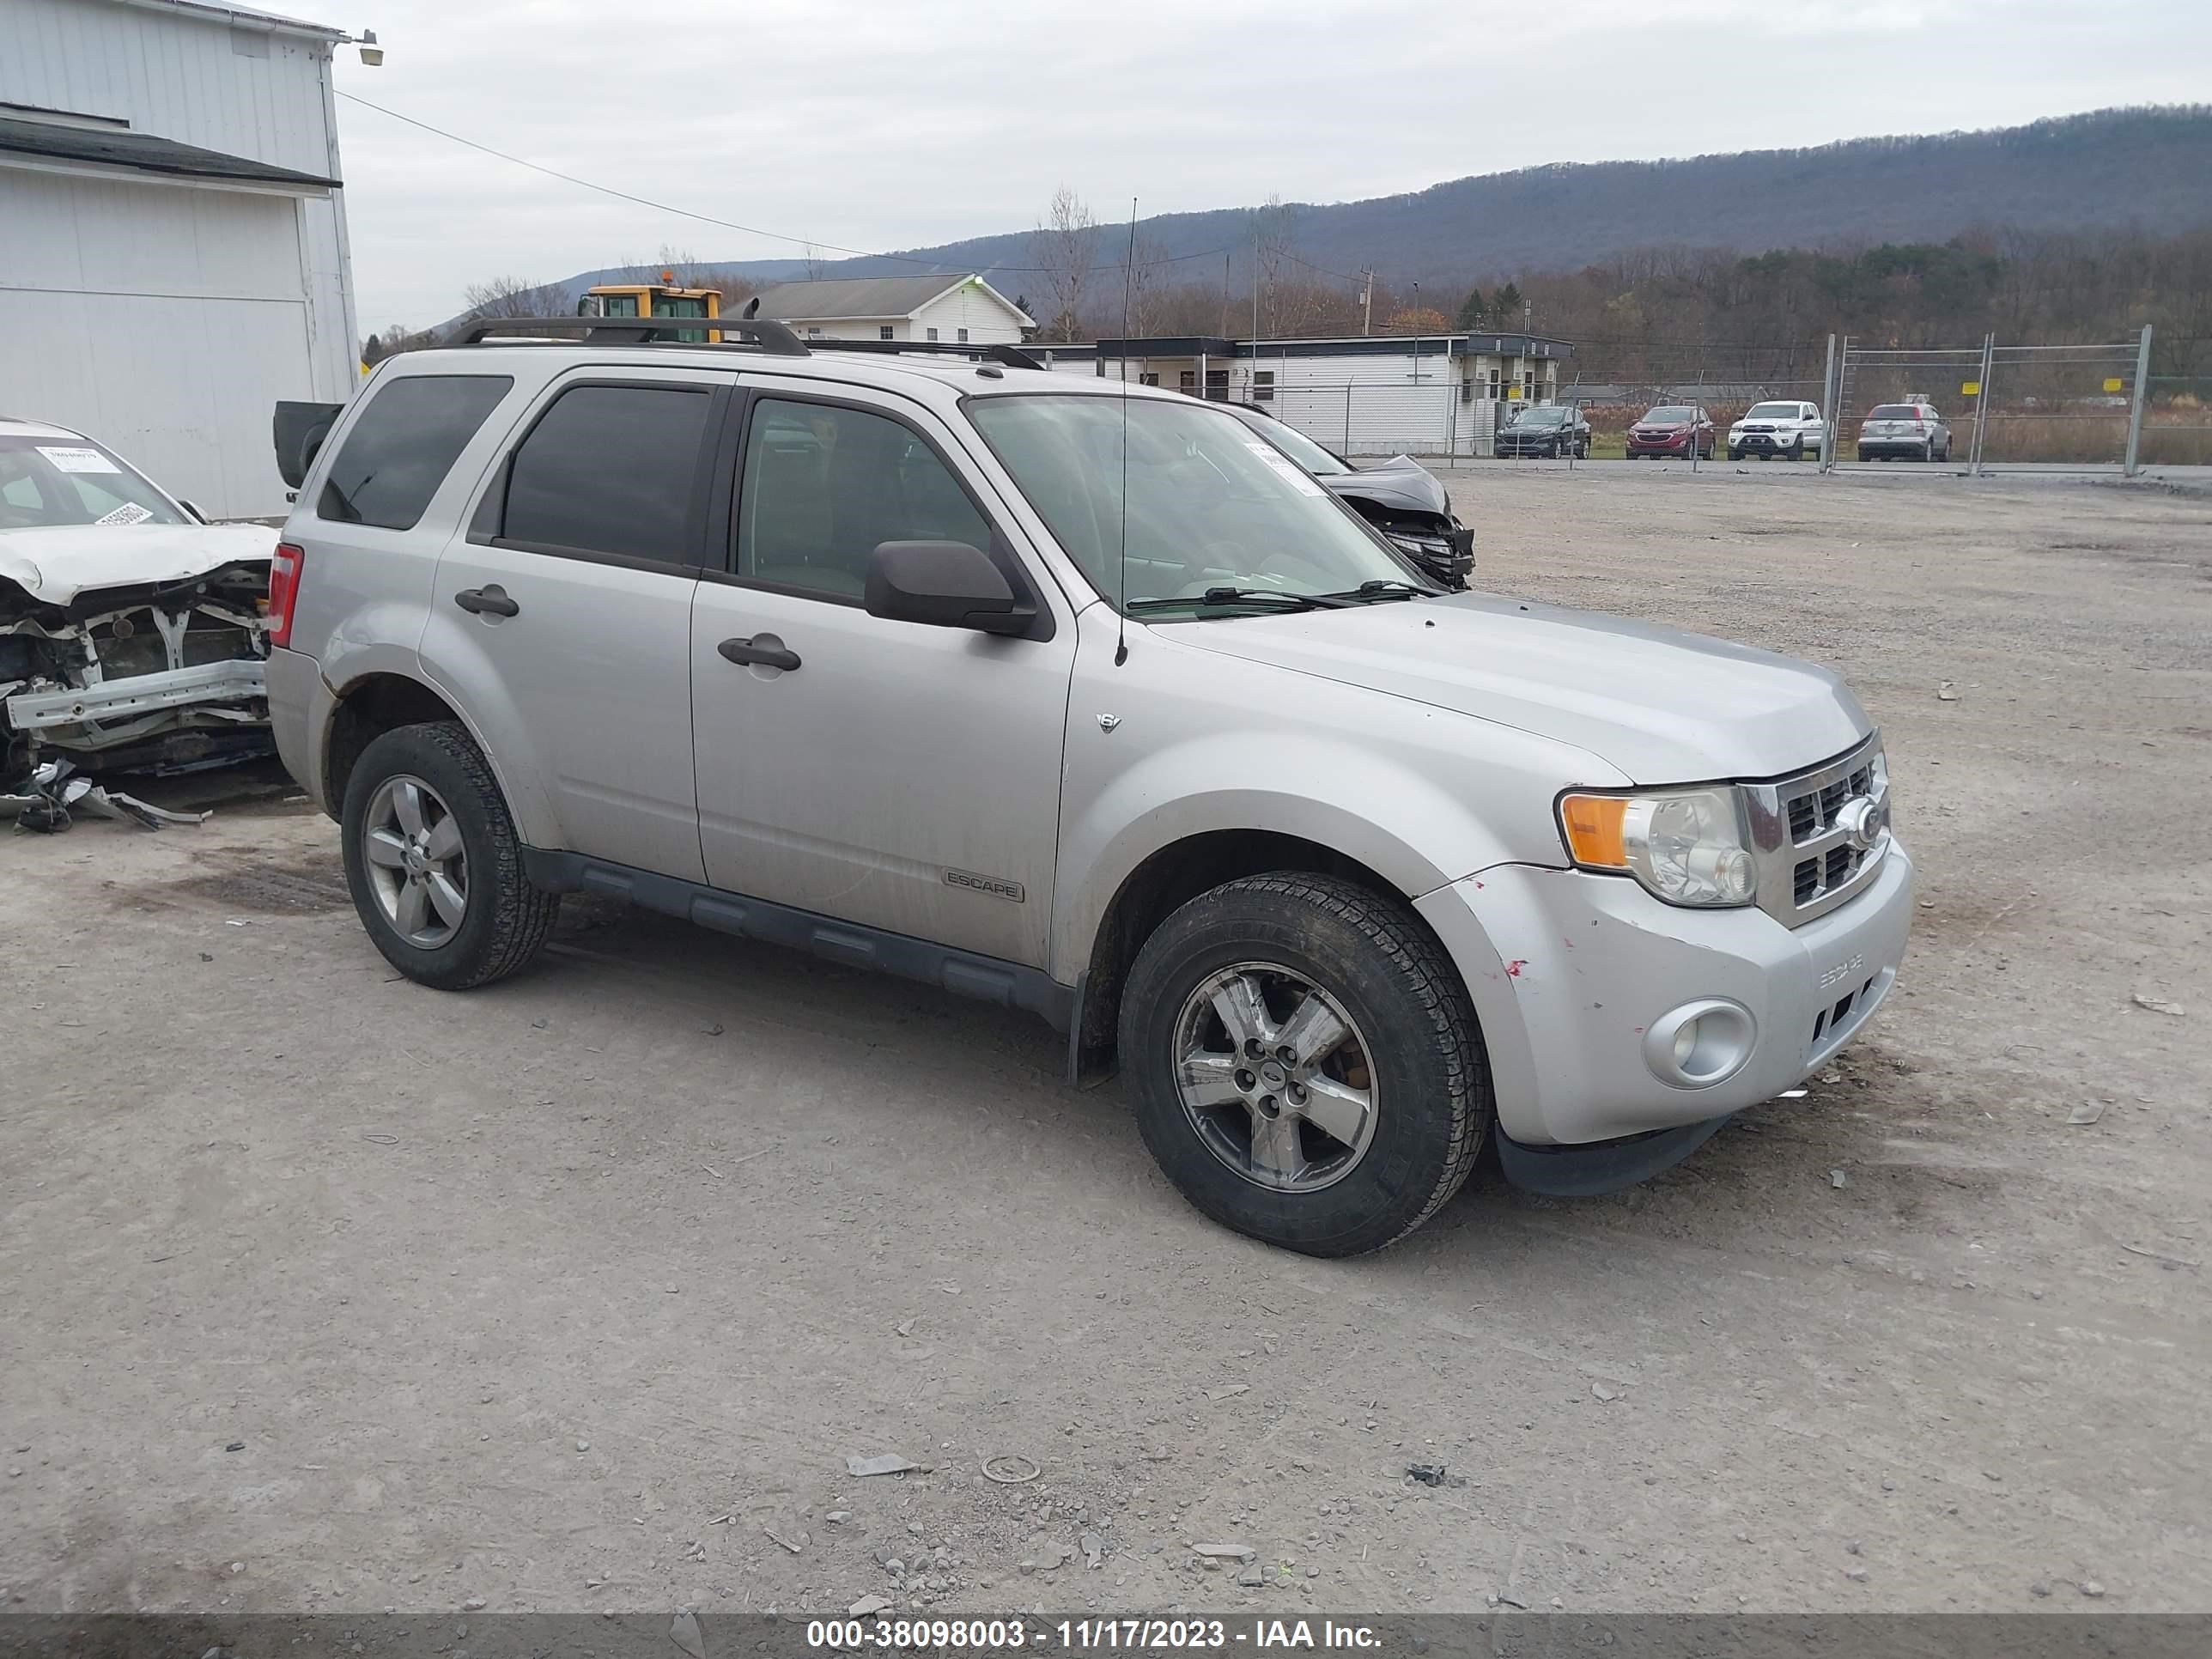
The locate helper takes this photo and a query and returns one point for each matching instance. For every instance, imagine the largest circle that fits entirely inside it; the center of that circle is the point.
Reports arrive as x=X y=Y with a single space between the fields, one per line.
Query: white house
x=1444 y=395
x=953 y=310
x=173 y=235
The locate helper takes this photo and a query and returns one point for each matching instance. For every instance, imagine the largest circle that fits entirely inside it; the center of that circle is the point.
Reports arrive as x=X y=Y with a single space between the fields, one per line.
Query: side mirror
x=298 y=430
x=192 y=507
x=943 y=585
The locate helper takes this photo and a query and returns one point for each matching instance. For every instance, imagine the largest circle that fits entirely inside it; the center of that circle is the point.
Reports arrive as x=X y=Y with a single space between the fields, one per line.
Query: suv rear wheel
x=1304 y=1063
x=434 y=861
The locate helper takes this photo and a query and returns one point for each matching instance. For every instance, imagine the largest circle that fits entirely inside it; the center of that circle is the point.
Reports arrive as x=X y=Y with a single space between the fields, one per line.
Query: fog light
x=1699 y=1043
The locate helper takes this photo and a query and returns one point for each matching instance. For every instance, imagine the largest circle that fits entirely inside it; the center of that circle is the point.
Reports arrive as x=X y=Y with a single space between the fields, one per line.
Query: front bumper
x=1570 y=971
x=119 y=711
x=1659 y=445
x=1774 y=443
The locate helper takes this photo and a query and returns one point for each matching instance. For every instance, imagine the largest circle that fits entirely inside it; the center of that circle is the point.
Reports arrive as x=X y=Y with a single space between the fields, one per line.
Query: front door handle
x=767 y=656
x=487 y=601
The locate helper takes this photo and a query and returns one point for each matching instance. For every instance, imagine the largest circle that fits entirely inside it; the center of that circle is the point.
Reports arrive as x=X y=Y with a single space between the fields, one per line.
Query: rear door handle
x=487 y=601
x=767 y=656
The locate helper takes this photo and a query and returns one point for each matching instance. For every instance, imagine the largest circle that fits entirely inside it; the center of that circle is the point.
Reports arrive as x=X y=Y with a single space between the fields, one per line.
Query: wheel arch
x=385 y=698
x=1171 y=877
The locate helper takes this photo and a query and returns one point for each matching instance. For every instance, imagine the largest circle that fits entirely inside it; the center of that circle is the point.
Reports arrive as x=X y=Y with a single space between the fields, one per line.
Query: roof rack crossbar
x=773 y=338
x=1011 y=355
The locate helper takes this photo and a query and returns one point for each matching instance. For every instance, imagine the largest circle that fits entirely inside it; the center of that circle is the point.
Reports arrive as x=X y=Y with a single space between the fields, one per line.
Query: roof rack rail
x=1011 y=355
x=757 y=333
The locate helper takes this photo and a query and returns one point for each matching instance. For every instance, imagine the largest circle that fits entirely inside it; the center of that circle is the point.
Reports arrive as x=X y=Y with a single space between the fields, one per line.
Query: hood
x=1399 y=484
x=1660 y=706
x=55 y=565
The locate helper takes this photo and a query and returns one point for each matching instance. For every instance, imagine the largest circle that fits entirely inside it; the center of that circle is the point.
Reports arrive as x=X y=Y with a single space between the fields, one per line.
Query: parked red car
x=1667 y=429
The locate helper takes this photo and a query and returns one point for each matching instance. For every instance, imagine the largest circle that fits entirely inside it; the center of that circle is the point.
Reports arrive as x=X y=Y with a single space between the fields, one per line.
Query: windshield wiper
x=1246 y=595
x=1369 y=591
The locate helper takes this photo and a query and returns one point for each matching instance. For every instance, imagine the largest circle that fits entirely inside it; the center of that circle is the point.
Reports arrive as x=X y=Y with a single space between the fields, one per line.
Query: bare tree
x=1063 y=250
x=514 y=296
x=817 y=268
x=1150 y=295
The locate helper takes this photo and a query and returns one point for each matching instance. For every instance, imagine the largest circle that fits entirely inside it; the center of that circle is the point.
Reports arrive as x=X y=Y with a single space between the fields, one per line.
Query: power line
x=806 y=242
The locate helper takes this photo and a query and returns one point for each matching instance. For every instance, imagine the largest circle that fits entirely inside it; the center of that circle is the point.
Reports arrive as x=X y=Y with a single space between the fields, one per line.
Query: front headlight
x=1686 y=846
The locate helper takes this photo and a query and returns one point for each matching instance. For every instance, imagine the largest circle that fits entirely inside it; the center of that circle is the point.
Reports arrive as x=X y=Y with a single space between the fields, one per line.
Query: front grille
x=1806 y=861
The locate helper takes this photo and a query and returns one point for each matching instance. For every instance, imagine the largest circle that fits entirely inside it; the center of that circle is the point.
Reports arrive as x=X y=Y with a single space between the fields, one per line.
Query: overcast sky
x=890 y=124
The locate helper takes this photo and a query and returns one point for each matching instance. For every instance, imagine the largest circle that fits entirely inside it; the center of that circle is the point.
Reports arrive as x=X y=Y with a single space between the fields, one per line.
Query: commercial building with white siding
x=172 y=236
x=1444 y=395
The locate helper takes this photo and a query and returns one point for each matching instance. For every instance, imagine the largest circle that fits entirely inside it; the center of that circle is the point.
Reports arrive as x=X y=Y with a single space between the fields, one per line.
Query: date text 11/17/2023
x=985 y=1635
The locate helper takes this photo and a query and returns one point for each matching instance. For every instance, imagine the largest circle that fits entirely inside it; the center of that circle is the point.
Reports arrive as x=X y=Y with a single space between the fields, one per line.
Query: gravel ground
x=328 y=1292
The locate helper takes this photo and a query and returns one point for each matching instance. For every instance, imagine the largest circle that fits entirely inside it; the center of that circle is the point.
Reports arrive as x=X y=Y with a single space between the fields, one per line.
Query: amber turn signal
x=1593 y=825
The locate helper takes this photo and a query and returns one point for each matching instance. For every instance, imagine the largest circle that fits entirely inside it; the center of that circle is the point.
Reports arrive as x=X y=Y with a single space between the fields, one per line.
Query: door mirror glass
x=942 y=584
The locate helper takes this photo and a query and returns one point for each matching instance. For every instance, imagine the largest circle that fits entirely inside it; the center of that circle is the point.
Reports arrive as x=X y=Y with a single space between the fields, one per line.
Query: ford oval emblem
x=1863 y=821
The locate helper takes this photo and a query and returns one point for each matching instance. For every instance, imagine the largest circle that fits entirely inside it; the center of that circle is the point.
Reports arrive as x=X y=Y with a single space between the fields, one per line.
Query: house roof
x=142 y=152
x=844 y=298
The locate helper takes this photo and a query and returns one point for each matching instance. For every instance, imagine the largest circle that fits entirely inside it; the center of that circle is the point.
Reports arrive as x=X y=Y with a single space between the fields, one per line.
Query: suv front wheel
x=1303 y=1062
x=434 y=861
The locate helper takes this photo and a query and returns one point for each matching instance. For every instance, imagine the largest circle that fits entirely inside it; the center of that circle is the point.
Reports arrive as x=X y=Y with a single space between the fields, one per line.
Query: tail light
x=283 y=591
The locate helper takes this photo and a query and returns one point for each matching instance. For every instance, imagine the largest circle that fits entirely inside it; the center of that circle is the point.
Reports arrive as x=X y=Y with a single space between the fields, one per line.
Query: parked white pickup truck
x=1792 y=430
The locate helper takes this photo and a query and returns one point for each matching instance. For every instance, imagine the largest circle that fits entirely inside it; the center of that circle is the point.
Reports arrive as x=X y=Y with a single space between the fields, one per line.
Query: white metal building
x=172 y=236
x=952 y=310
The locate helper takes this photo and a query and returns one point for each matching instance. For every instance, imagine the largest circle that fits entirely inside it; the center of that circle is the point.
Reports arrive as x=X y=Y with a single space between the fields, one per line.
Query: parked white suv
x=1083 y=699
x=1791 y=428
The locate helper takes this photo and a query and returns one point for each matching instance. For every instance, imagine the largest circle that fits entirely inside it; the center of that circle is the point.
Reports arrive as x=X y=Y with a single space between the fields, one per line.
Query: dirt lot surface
x=325 y=1291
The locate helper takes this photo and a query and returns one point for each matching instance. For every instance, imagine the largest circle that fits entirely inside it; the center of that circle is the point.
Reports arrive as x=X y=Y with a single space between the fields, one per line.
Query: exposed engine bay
x=163 y=677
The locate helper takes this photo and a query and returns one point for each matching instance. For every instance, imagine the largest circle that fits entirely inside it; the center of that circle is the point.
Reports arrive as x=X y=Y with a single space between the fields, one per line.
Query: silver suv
x=1086 y=700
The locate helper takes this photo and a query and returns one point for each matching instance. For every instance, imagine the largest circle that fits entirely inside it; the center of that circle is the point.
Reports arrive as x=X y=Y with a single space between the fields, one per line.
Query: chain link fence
x=2092 y=407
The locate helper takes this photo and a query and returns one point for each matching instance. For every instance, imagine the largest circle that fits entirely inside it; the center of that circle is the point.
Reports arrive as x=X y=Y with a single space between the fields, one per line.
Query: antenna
x=1121 y=562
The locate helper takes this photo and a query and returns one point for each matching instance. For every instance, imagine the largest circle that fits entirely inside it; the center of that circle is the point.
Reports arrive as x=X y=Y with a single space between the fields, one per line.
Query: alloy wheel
x=1275 y=1078
x=418 y=866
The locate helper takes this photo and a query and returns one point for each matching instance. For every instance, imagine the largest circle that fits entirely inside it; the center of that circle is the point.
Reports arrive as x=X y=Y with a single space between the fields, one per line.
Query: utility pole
x=1256 y=281
x=1367 y=302
x=1416 y=309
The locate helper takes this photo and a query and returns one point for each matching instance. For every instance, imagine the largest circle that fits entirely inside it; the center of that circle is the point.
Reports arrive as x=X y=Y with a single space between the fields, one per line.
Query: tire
x=1797 y=449
x=1864 y=457
x=503 y=919
x=1736 y=455
x=1408 y=1026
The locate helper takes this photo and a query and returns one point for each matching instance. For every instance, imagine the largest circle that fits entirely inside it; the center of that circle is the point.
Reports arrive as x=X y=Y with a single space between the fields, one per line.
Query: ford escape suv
x=1085 y=699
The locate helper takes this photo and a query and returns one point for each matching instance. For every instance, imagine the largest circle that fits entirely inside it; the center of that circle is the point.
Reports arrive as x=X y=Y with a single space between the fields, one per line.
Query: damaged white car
x=132 y=632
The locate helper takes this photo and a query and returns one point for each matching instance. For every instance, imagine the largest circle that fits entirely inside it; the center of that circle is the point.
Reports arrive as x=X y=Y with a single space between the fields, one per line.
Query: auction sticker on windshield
x=74 y=459
x=1283 y=464
x=128 y=512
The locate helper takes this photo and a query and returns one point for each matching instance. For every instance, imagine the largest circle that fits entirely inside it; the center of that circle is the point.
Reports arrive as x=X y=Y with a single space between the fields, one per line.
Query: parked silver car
x=1904 y=432
x=1080 y=697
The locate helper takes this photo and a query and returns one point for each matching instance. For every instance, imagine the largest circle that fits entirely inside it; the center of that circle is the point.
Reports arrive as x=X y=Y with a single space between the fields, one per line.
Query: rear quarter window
x=402 y=446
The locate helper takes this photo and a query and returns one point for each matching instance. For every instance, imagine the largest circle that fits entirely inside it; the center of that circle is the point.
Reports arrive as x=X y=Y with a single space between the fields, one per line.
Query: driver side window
x=823 y=485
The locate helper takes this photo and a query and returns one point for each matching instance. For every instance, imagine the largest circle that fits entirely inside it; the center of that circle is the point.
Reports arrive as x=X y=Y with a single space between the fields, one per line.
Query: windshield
x=1210 y=505
x=1292 y=442
x=1771 y=412
x=1669 y=415
x=49 y=482
x=1895 y=412
x=1541 y=417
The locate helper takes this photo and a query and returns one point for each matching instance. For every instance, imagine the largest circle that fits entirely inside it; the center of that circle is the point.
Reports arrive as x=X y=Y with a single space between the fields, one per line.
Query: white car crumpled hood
x=57 y=564
x=1660 y=705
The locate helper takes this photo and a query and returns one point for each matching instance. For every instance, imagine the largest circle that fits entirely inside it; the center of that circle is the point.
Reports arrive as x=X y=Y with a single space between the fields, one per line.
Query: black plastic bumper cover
x=1603 y=1166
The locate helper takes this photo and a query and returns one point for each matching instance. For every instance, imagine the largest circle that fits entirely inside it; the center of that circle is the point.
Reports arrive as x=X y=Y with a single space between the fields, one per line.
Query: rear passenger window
x=403 y=444
x=822 y=486
x=608 y=469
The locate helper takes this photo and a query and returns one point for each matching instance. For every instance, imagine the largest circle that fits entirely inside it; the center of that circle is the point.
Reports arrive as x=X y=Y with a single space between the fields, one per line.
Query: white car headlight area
x=1686 y=846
